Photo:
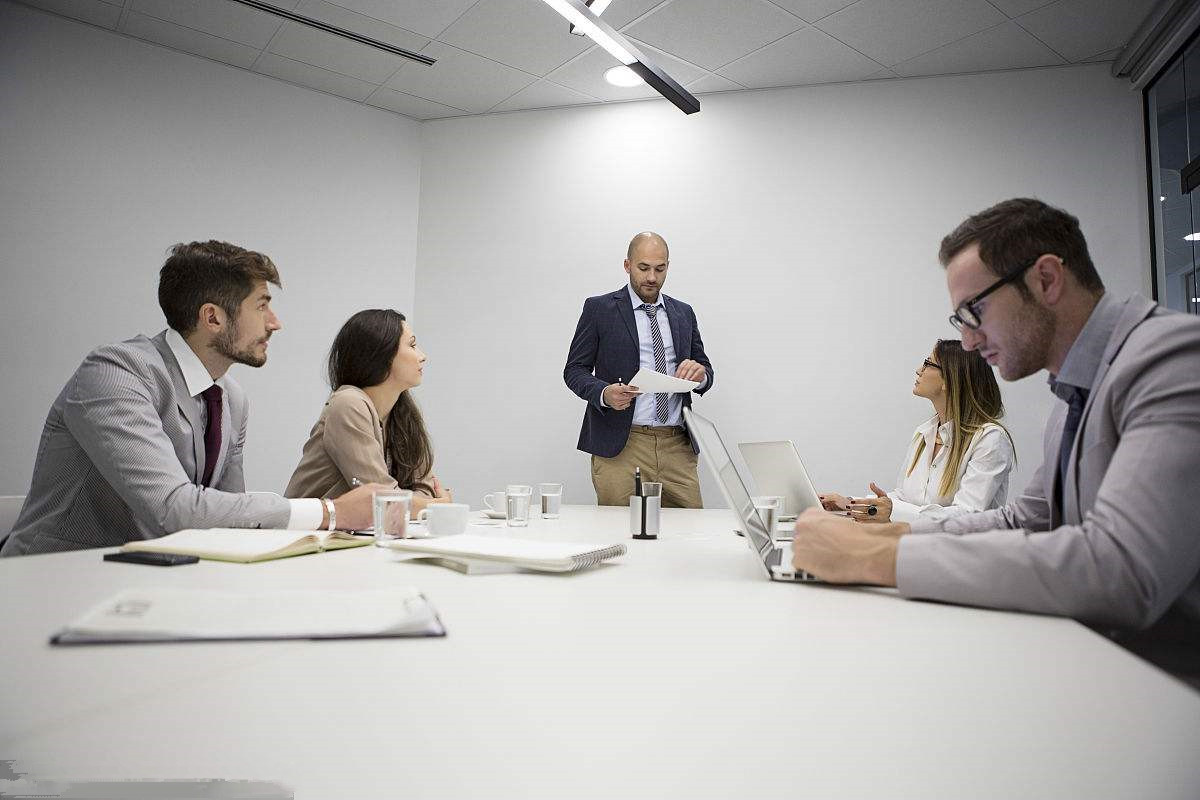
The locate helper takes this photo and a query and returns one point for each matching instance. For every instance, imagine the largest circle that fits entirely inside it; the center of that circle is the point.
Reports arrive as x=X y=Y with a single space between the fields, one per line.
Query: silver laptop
x=777 y=470
x=776 y=556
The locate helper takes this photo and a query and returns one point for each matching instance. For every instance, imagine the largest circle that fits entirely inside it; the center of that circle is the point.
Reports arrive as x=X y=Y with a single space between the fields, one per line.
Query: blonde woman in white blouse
x=960 y=460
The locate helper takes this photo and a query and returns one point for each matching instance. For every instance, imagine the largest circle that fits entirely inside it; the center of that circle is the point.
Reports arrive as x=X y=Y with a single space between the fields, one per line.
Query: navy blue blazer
x=605 y=349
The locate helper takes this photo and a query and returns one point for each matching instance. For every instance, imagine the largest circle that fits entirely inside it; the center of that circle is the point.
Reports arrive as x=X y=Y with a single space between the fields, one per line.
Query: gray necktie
x=660 y=360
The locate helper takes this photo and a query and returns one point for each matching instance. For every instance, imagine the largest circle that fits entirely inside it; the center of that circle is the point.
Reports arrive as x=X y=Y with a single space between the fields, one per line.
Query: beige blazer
x=346 y=443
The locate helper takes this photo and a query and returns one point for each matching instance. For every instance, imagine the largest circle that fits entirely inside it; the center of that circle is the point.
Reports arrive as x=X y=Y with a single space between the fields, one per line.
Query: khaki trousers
x=665 y=456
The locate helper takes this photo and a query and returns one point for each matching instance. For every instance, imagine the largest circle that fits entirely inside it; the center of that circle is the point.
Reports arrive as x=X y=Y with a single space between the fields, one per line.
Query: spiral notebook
x=467 y=553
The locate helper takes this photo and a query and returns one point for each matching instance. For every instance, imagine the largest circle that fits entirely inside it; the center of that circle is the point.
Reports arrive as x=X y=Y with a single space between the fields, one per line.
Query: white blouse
x=983 y=474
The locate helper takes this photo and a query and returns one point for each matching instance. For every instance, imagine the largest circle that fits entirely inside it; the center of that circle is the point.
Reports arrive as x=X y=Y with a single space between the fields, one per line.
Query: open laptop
x=777 y=470
x=776 y=556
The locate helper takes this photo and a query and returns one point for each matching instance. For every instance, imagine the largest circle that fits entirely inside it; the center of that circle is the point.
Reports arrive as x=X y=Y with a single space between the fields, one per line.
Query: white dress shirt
x=307 y=513
x=983 y=474
x=643 y=405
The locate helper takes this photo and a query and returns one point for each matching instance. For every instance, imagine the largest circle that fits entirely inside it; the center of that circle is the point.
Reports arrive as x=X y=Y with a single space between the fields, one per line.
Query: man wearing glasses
x=1106 y=531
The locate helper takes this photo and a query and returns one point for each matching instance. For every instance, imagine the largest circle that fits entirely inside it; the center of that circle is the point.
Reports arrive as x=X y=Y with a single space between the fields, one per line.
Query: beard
x=1030 y=346
x=226 y=345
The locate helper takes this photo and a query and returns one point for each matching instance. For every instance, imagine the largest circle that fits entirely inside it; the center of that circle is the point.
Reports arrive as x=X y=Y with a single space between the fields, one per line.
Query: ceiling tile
x=882 y=75
x=586 y=74
x=807 y=56
x=1107 y=55
x=460 y=79
x=623 y=12
x=1015 y=8
x=489 y=29
x=1080 y=29
x=301 y=43
x=354 y=22
x=543 y=94
x=409 y=106
x=813 y=10
x=312 y=77
x=426 y=17
x=713 y=83
x=93 y=11
x=1006 y=46
x=231 y=21
x=890 y=31
x=712 y=33
x=188 y=40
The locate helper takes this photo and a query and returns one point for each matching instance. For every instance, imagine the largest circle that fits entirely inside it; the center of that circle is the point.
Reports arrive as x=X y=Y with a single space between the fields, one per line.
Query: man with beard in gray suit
x=1106 y=531
x=146 y=438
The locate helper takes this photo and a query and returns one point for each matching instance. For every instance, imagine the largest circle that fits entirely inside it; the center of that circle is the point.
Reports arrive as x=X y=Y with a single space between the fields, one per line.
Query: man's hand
x=618 y=396
x=690 y=370
x=860 y=507
x=839 y=550
x=355 y=508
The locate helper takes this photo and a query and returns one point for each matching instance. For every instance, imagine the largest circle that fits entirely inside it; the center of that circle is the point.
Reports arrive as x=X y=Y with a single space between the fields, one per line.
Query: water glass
x=391 y=514
x=516 y=505
x=551 y=499
x=768 y=507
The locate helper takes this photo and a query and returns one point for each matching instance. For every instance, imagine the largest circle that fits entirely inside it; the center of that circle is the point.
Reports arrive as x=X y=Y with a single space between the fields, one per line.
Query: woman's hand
x=420 y=500
x=860 y=508
x=833 y=501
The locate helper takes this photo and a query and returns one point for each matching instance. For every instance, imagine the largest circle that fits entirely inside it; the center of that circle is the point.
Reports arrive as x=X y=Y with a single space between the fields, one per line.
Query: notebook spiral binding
x=596 y=556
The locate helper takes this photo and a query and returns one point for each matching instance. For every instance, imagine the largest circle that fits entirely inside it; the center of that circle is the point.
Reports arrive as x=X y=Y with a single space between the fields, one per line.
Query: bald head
x=646 y=264
x=645 y=239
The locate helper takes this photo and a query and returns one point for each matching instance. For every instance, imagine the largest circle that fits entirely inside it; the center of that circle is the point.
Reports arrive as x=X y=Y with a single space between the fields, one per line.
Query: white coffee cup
x=445 y=519
x=494 y=502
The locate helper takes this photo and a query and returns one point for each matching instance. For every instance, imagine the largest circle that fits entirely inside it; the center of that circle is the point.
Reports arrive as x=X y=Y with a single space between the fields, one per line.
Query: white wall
x=804 y=226
x=112 y=149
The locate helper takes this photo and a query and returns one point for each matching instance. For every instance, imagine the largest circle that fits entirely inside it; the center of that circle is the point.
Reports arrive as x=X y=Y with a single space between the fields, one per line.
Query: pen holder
x=644 y=511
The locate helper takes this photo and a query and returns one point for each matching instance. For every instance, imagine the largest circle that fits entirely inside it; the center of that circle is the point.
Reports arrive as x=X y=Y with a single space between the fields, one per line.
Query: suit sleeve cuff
x=306 y=514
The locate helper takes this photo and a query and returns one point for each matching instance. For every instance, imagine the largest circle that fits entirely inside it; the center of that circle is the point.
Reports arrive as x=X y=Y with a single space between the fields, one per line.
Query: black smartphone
x=157 y=559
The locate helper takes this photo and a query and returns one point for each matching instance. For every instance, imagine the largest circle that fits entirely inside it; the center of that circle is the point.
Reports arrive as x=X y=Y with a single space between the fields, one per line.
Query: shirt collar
x=195 y=376
x=639 y=302
x=1082 y=363
x=931 y=429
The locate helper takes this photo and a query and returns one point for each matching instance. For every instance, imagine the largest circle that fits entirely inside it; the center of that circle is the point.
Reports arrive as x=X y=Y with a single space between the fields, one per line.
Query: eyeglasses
x=967 y=314
x=928 y=363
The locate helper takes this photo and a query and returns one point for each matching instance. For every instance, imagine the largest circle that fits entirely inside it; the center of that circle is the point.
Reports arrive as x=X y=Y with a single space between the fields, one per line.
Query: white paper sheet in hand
x=652 y=382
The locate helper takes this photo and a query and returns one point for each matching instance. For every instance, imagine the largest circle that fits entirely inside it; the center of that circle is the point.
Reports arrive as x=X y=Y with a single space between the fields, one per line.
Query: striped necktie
x=660 y=360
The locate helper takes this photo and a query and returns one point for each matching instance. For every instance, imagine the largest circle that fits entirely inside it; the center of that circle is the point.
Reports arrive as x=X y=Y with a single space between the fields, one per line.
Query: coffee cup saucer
x=490 y=514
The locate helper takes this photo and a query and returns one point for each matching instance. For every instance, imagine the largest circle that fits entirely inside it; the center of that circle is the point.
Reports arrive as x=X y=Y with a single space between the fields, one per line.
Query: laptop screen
x=715 y=454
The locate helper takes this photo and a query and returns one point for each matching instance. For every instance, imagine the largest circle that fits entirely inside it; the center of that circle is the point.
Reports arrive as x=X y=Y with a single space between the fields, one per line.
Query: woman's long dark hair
x=361 y=356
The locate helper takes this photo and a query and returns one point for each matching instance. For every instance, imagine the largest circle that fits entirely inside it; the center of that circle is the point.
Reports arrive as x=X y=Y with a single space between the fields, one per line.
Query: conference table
x=677 y=670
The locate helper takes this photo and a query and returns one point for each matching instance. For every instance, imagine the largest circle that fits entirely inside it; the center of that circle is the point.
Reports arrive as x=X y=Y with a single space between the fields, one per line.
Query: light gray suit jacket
x=1125 y=546
x=122 y=453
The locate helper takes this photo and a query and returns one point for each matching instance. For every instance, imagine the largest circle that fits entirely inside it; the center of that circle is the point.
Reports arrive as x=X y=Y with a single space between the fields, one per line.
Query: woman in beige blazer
x=371 y=430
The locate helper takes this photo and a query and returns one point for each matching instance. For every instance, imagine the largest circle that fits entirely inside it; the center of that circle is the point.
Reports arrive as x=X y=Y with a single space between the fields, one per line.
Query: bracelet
x=329 y=506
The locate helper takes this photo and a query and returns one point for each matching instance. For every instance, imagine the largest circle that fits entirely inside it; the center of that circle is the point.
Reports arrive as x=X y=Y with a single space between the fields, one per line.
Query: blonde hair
x=972 y=402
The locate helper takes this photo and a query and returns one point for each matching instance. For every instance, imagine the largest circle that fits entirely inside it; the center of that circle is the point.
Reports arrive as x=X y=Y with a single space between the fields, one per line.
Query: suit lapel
x=187 y=406
x=1136 y=310
x=625 y=311
x=677 y=338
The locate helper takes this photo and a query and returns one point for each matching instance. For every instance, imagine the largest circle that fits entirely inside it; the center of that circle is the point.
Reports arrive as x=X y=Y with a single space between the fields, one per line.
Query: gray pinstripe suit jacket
x=122 y=453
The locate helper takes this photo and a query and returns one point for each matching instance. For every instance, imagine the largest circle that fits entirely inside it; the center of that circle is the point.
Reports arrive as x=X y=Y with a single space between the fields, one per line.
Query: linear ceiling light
x=336 y=31
x=597 y=7
x=620 y=48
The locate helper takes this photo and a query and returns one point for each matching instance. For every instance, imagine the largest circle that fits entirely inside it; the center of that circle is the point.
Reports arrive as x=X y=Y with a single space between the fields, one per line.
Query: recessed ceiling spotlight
x=623 y=76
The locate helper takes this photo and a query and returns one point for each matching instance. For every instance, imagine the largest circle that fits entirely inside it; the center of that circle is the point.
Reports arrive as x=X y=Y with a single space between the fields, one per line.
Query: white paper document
x=651 y=382
x=156 y=614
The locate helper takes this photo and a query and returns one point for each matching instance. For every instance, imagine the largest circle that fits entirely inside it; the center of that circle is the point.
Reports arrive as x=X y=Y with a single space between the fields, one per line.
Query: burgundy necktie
x=212 y=431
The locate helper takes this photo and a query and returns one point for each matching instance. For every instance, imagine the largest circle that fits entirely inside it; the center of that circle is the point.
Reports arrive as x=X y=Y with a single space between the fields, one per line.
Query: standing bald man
x=635 y=327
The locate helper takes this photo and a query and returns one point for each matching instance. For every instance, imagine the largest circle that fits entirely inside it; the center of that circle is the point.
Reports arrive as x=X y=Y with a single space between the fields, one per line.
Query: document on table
x=652 y=382
x=168 y=614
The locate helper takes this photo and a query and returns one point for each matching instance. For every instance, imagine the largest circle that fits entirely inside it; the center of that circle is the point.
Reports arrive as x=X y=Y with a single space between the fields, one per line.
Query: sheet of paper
x=652 y=382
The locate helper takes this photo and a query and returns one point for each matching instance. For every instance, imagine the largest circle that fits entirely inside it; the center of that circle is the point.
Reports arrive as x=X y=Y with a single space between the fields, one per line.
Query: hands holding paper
x=690 y=370
x=618 y=396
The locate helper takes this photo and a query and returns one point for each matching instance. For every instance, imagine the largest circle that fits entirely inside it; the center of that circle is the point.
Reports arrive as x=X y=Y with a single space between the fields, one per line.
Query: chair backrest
x=10 y=507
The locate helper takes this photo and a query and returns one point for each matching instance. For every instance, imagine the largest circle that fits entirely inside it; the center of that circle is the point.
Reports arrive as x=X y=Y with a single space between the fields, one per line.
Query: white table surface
x=677 y=671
